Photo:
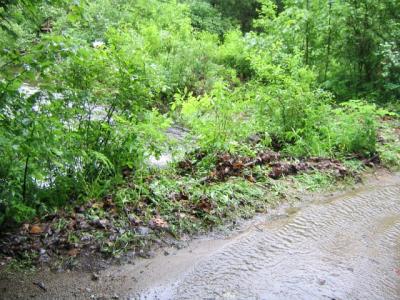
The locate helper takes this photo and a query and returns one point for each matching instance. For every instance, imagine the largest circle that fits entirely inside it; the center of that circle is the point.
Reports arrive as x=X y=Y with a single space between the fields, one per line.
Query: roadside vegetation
x=275 y=95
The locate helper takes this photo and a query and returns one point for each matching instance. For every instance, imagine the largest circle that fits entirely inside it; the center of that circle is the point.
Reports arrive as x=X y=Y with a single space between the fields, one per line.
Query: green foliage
x=241 y=11
x=352 y=45
x=102 y=74
x=206 y=17
x=350 y=128
x=219 y=120
x=234 y=53
x=357 y=128
x=389 y=147
x=315 y=181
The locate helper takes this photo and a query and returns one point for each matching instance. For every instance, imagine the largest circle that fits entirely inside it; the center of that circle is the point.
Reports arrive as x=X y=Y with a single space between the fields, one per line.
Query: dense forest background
x=87 y=88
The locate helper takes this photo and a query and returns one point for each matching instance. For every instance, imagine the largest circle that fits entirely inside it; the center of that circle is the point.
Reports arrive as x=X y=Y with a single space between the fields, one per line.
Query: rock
x=102 y=224
x=40 y=285
x=95 y=276
x=255 y=138
x=81 y=224
x=132 y=219
x=321 y=281
x=146 y=254
x=142 y=230
x=151 y=254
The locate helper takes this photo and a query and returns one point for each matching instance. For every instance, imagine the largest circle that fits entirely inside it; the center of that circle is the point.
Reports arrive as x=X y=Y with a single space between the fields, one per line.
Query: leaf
x=158 y=222
x=36 y=229
x=98 y=205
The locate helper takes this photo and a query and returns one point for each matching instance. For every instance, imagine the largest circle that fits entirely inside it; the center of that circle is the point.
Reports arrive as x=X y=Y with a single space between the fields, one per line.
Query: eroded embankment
x=342 y=247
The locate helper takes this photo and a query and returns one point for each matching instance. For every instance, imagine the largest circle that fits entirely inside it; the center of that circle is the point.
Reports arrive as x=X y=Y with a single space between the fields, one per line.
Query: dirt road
x=341 y=247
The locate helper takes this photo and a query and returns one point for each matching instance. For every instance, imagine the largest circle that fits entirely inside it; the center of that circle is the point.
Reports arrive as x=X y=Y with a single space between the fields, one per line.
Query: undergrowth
x=88 y=90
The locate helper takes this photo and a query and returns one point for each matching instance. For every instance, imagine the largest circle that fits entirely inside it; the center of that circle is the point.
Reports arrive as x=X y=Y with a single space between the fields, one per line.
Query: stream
x=341 y=246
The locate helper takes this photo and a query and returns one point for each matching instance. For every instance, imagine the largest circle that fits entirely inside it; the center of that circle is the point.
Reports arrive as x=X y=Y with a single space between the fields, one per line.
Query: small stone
x=151 y=254
x=115 y=296
x=141 y=230
x=95 y=276
x=41 y=286
x=102 y=224
x=166 y=253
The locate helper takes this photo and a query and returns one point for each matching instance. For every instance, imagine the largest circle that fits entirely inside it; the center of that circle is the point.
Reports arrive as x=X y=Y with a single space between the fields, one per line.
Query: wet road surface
x=344 y=248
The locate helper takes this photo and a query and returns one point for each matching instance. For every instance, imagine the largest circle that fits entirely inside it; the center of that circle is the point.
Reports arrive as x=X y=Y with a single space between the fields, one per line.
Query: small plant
x=219 y=121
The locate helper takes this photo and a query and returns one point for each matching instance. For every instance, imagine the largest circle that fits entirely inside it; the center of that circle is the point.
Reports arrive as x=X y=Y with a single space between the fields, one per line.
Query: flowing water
x=340 y=247
x=346 y=248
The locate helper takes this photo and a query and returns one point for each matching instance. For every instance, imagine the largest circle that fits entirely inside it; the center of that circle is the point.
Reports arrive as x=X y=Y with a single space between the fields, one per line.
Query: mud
x=345 y=246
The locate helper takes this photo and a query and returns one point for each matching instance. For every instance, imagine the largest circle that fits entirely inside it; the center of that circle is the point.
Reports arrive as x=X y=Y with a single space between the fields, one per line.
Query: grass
x=389 y=147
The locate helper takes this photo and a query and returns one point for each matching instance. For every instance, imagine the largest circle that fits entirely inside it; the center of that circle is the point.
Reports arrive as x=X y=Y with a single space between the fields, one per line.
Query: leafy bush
x=205 y=17
x=350 y=129
x=101 y=72
x=219 y=120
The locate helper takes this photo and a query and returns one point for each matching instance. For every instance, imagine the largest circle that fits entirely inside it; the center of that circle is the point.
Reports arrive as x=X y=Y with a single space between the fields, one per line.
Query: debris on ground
x=96 y=229
x=234 y=165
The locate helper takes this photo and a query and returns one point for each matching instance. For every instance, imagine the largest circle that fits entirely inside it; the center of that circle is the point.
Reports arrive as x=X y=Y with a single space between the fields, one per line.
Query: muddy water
x=341 y=247
x=344 y=248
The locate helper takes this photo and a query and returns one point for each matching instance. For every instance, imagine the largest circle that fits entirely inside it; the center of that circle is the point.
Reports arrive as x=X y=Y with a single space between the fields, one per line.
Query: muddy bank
x=344 y=246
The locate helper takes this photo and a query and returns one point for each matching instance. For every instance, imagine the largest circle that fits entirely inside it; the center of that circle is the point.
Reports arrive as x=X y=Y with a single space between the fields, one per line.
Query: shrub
x=219 y=121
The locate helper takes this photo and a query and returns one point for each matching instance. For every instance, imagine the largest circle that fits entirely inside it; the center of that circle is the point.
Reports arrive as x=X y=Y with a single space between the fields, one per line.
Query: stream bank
x=337 y=246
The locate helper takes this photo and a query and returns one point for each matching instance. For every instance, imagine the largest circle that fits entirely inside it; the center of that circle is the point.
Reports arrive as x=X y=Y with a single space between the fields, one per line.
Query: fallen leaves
x=230 y=165
x=158 y=222
x=205 y=205
x=96 y=228
x=280 y=169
